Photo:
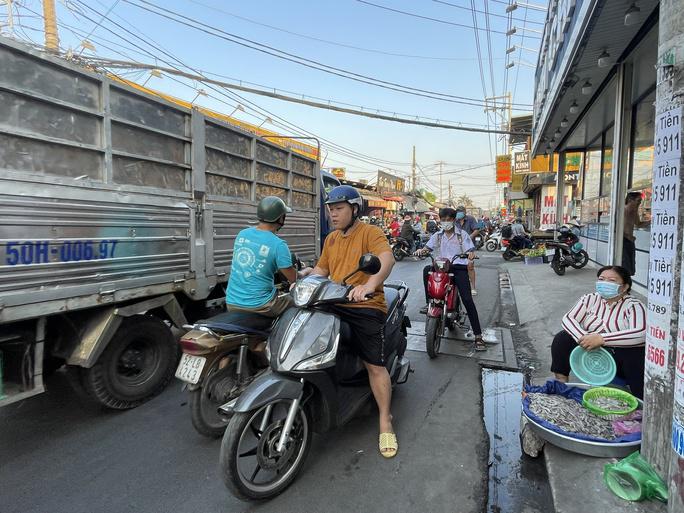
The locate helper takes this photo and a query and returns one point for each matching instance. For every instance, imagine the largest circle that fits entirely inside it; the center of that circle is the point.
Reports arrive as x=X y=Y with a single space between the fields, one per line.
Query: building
x=594 y=109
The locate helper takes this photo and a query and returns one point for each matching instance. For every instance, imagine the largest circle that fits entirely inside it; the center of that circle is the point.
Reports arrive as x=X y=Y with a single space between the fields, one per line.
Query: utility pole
x=50 y=20
x=10 y=17
x=449 y=203
x=413 y=172
x=441 y=163
x=663 y=426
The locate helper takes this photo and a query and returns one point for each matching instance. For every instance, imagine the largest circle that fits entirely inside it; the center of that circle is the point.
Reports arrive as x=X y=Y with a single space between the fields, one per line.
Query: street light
x=516 y=47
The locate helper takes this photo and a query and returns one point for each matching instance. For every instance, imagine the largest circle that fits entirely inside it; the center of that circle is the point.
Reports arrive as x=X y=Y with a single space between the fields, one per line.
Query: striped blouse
x=622 y=324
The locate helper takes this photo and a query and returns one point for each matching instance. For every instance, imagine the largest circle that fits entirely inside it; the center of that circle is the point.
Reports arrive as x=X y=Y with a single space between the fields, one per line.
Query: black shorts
x=368 y=332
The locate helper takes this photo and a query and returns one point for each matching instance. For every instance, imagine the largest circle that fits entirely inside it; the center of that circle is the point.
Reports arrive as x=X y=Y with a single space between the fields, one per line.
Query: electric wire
x=310 y=63
x=491 y=14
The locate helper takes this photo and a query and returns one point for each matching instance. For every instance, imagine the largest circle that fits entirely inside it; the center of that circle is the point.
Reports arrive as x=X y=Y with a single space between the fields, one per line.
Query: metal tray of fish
x=586 y=447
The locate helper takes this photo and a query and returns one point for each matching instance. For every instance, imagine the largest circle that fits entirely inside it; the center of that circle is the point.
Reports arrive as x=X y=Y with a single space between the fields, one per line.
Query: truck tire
x=137 y=364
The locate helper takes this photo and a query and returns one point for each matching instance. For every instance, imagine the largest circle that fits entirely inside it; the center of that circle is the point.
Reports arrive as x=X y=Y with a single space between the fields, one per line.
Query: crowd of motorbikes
x=267 y=385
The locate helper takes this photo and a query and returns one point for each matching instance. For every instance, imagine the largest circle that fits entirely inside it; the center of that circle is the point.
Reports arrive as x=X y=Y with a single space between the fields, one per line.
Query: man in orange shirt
x=365 y=316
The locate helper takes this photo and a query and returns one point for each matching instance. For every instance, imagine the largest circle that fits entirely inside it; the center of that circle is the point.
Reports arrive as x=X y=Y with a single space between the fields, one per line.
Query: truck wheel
x=137 y=364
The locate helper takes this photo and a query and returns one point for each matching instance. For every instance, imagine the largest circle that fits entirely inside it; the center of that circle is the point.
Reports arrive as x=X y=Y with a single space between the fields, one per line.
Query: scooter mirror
x=369 y=264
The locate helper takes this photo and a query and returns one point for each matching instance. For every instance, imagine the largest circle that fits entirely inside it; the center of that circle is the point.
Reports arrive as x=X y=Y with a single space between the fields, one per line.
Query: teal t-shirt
x=257 y=255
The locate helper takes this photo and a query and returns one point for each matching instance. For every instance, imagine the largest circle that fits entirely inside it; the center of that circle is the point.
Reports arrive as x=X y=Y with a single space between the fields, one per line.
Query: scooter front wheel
x=433 y=336
x=508 y=255
x=491 y=245
x=583 y=259
x=252 y=468
x=557 y=267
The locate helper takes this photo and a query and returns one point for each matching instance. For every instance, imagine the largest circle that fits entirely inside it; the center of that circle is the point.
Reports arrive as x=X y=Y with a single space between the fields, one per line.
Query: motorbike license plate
x=190 y=368
x=550 y=252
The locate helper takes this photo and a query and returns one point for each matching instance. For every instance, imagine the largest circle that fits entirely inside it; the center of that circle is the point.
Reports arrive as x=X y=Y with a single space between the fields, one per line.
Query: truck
x=118 y=213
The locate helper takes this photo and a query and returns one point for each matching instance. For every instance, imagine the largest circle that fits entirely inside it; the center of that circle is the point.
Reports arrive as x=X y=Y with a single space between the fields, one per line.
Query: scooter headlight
x=303 y=291
x=322 y=360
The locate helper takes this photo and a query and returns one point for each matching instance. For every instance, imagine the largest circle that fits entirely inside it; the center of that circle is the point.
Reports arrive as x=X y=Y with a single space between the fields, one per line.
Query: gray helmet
x=271 y=208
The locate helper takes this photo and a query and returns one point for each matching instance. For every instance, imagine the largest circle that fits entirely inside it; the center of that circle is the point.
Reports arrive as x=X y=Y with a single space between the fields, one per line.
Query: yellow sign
x=517 y=182
x=503 y=168
x=339 y=172
x=542 y=163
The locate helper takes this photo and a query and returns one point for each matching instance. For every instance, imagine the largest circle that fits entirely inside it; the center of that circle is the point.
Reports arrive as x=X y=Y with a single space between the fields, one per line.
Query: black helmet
x=460 y=208
x=447 y=212
x=272 y=208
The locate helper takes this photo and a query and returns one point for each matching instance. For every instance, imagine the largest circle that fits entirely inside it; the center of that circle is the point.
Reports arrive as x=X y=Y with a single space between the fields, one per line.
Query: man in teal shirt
x=258 y=253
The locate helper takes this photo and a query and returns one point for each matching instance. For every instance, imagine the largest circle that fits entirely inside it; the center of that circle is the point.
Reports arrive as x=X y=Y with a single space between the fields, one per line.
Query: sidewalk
x=542 y=298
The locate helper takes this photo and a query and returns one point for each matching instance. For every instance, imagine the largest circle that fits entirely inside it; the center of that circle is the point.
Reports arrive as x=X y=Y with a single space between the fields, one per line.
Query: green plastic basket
x=615 y=393
x=595 y=367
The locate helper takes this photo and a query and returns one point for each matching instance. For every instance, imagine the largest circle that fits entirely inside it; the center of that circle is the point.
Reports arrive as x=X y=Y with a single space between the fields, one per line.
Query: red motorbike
x=444 y=307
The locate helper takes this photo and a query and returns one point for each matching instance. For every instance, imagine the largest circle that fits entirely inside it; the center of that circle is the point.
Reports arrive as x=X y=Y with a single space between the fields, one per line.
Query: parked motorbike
x=493 y=242
x=568 y=252
x=514 y=246
x=444 y=307
x=314 y=384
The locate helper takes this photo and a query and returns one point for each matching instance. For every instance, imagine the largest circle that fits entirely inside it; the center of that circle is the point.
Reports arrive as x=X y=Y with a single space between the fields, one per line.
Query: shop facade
x=595 y=108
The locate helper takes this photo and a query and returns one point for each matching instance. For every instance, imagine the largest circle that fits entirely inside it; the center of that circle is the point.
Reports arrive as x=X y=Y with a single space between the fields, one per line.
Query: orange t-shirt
x=341 y=254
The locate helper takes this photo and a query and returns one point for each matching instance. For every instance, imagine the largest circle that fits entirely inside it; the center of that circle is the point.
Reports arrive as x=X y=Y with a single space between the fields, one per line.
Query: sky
x=437 y=55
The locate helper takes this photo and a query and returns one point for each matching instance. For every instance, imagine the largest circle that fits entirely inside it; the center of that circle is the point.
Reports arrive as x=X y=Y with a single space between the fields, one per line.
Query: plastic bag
x=633 y=479
x=628 y=424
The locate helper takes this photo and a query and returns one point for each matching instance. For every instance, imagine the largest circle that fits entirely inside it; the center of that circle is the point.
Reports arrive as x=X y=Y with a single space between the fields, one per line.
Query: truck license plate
x=190 y=368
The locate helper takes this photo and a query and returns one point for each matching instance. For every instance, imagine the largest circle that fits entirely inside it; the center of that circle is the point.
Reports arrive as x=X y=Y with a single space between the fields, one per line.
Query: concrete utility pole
x=441 y=163
x=449 y=203
x=663 y=429
x=413 y=172
x=50 y=19
x=10 y=17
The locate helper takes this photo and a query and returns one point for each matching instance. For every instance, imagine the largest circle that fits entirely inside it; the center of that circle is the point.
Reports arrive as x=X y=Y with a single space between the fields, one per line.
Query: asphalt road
x=61 y=455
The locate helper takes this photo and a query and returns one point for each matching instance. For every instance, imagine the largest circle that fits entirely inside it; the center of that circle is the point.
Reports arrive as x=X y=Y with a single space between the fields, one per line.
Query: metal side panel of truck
x=119 y=209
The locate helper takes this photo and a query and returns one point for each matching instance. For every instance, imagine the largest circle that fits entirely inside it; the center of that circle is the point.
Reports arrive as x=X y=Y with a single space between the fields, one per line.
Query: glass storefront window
x=641 y=152
x=607 y=174
x=592 y=173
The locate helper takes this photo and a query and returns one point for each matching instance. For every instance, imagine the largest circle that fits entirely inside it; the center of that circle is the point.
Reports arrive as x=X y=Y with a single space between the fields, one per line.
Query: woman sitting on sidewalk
x=609 y=317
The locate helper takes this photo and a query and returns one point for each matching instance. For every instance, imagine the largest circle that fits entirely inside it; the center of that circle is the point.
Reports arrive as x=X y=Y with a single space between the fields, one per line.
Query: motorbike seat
x=392 y=298
x=248 y=323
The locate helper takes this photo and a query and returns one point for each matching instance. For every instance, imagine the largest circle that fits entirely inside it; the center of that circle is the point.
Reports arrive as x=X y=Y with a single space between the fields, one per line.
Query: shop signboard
x=390 y=183
x=521 y=163
x=339 y=172
x=517 y=182
x=503 y=169
x=543 y=164
x=664 y=201
x=548 y=207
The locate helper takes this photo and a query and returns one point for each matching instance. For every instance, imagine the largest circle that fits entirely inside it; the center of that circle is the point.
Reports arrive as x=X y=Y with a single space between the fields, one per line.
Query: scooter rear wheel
x=433 y=336
x=248 y=452
x=398 y=254
x=491 y=245
x=508 y=255
x=204 y=401
x=583 y=260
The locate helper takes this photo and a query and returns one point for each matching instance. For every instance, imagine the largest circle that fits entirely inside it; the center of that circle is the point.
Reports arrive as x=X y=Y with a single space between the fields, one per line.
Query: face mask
x=448 y=225
x=608 y=289
x=460 y=215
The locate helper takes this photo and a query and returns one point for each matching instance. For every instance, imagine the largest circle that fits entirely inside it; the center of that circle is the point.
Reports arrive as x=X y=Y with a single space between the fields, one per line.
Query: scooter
x=444 y=308
x=513 y=247
x=401 y=247
x=314 y=384
x=221 y=356
x=493 y=242
x=568 y=252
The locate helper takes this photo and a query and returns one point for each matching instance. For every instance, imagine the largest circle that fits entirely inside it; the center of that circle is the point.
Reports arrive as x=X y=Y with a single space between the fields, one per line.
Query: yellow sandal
x=388 y=445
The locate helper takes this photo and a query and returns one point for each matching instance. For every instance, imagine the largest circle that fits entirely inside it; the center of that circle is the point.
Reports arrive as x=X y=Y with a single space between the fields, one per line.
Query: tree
x=428 y=196
x=465 y=200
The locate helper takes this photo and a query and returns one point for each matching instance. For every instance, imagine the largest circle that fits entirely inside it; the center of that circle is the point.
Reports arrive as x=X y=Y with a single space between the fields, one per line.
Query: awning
x=398 y=199
x=373 y=200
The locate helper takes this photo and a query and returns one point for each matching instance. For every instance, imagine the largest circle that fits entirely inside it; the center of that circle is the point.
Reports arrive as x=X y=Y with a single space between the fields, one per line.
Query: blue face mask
x=608 y=289
x=460 y=215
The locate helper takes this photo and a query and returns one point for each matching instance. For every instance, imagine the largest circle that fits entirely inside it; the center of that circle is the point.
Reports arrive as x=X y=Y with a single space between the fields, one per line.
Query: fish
x=570 y=416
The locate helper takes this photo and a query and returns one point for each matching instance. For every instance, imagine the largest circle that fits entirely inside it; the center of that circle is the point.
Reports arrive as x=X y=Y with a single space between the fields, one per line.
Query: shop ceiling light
x=587 y=88
x=604 y=60
x=557 y=133
x=632 y=14
x=564 y=122
x=574 y=108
